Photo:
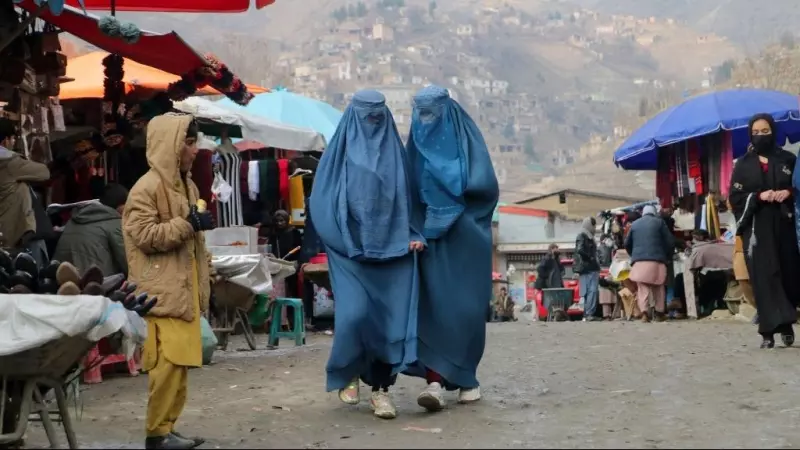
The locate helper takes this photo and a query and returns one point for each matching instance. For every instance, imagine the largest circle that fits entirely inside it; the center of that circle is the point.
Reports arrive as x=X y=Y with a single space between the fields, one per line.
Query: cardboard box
x=219 y=240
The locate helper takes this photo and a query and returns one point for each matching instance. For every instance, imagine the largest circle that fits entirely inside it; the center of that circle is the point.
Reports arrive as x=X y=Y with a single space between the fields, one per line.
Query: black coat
x=585 y=260
x=769 y=237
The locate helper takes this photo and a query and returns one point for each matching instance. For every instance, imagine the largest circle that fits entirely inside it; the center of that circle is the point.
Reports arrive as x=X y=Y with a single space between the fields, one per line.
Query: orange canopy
x=87 y=71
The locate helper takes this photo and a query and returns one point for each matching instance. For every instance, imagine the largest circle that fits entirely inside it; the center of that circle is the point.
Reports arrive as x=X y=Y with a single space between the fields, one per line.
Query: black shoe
x=768 y=343
x=169 y=442
x=198 y=441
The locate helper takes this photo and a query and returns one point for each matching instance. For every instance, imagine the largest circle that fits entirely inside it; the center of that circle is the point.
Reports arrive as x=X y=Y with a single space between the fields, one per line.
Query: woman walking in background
x=365 y=220
x=762 y=200
x=651 y=247
x=459 y=192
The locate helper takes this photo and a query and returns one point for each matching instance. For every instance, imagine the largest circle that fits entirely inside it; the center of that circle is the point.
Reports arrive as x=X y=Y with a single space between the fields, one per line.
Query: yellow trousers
x=167 y=387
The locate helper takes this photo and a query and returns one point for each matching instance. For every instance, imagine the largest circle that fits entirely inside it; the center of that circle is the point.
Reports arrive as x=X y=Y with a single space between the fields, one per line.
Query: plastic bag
x=221 y=189
x=209 y=340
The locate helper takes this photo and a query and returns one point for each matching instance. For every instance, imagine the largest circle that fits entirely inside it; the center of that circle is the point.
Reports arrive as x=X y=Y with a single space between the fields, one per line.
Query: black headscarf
x=763 y=144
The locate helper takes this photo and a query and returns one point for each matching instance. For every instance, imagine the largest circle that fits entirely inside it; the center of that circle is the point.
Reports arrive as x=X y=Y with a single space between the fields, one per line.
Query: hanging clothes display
x=229 y=214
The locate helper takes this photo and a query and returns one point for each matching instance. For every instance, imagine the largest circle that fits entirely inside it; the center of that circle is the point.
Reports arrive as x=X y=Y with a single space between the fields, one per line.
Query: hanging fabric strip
x=682 y=170
x=694 y=169
x=663 y=185
x=726 y=164
x=229 y=214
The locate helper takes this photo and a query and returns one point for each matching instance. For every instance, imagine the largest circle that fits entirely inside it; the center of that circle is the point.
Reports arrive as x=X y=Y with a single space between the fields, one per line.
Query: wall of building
x=518 y=225
x=577 y=205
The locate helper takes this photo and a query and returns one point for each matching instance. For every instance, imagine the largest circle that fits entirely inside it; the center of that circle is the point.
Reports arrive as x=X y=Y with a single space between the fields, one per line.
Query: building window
x=562 y=198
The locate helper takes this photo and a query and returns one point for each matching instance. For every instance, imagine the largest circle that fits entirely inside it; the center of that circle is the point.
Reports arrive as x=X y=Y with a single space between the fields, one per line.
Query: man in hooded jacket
x=93 y=235
x=167 y=258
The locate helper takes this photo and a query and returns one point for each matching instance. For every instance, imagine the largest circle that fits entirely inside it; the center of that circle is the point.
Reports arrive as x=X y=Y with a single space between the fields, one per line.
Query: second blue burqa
x=364 y=215
x=459 y=191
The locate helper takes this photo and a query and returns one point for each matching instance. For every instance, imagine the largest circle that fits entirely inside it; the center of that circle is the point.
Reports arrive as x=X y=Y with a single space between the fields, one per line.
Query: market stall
x=692 y=147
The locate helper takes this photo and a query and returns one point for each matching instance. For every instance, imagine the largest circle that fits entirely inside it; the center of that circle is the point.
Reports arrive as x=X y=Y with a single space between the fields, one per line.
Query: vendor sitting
x=93 y=236
x=17 y=219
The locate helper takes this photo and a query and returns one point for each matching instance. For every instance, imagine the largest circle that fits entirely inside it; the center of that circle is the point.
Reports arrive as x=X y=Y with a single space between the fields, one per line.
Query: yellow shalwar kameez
x=171 y=348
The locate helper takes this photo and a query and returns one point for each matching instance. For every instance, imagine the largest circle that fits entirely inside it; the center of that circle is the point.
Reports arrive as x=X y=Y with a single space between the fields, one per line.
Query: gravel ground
x=560 y=385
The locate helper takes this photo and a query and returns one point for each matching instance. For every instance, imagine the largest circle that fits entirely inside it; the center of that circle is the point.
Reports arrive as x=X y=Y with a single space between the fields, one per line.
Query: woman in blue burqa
x=365 y=217
x=458 y=189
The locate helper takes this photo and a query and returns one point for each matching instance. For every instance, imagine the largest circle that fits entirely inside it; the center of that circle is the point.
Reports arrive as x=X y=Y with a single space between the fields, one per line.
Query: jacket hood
x=166 y=135
x=95 y=212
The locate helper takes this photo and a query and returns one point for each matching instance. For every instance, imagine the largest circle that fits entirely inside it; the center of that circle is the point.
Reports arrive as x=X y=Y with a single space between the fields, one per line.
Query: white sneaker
x=382 y=404
x=431 y=398
x=469 y=395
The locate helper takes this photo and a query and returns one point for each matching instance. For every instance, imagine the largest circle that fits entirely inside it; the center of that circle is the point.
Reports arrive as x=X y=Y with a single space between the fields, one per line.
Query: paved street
x=566 y=385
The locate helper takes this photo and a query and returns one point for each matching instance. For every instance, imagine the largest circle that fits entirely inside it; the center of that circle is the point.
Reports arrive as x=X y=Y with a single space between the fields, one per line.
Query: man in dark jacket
x=651 y=247
x=93 y=236
x=587 y=267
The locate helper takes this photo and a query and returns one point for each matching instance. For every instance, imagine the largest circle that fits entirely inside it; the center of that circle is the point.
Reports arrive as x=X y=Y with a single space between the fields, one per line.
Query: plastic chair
x=98 y=358
x=298 y=333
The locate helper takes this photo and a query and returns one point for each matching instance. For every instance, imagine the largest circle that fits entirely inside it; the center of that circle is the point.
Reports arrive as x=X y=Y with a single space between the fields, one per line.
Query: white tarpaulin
x=28 y=321
x=254 y=128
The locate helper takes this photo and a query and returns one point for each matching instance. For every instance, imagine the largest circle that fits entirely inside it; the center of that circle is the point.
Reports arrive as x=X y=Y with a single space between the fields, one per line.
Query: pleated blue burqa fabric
x=364 y=214
x=459 y=191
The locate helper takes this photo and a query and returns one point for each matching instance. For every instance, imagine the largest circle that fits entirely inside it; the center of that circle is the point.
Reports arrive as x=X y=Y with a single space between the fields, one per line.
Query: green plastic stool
x=299 y=331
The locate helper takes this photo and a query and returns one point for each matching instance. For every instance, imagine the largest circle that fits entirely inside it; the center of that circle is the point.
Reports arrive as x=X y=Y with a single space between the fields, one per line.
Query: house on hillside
x=575 y=204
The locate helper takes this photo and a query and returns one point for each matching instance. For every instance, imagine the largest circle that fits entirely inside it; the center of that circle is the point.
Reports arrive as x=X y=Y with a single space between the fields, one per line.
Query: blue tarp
x=293 y=109
x=707 y=114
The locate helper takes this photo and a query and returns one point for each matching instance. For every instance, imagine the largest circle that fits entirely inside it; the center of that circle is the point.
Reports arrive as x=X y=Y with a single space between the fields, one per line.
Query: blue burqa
x=365 y=217
x=459 y=191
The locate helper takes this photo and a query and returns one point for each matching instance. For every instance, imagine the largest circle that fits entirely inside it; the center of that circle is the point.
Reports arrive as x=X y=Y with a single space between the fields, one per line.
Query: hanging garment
x=252 y=180
x=681 y=171
x=713 y=146
x=244 y=172
x=726 y=164
x=269 y=190
x=663 y=184
x=229 y=214
x=283 y=179
x=694 y=168
x=712 y=217
x=297 y=202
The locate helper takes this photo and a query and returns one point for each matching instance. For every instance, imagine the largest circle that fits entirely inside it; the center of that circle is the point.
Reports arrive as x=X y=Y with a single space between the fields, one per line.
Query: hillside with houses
x=542 y=78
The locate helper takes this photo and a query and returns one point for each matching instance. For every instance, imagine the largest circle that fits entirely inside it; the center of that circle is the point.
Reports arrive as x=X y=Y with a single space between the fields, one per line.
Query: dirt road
x=562 y=385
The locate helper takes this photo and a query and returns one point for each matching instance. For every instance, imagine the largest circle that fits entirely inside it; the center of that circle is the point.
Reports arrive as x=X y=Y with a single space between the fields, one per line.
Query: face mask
x=763 y=143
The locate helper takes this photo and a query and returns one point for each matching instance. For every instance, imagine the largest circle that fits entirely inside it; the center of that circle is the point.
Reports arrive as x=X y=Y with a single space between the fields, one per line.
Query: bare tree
x=776 y=68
